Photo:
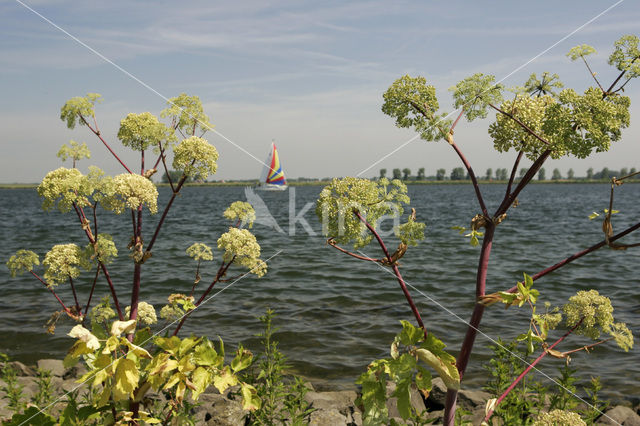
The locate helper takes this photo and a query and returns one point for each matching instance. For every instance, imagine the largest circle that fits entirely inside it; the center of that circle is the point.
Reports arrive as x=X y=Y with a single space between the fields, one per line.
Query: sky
x=308 y=75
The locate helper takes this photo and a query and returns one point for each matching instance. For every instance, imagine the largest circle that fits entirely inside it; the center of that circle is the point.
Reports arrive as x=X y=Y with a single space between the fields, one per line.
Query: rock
x=21 y=369
x=343 y=401
x=29 y=386
x=327 y=417
x=619 y=415
x=355 y=419
x=470 y=400
x=217 y=410
x=75 y=372
x=54 y=366
x=437 y=396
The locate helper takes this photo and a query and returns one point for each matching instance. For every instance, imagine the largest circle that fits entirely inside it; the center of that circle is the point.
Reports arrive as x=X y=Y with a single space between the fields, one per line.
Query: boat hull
x=269 y=187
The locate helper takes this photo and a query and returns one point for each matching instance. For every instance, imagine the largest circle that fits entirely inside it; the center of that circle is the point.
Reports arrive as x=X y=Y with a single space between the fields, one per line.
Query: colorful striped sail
x=275 y=176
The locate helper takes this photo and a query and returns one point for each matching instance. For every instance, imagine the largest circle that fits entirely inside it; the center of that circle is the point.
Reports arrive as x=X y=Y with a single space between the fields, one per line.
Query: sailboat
x=272 y=178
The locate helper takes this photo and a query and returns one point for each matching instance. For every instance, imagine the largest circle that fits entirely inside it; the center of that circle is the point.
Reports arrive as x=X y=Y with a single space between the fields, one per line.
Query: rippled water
x=336 y=313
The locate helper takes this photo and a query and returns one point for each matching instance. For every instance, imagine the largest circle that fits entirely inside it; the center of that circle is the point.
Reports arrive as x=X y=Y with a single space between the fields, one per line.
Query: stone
x=470 y=400
x=21 y=369
x=217 y=410
x=327 y=417
x=437 y=396
x=54 y=366
x=619 y=415
x=343 y=401
x=29 y=386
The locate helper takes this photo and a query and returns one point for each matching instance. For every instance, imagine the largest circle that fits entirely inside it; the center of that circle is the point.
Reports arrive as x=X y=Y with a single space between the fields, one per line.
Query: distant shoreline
x=327 y=182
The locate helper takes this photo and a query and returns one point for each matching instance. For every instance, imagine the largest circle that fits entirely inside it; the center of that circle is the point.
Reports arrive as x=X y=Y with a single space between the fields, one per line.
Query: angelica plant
x=539 y=120
x=125 y=360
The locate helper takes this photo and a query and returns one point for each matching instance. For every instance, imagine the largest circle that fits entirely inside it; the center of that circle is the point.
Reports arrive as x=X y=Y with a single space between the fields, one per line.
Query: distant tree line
x=502 y=174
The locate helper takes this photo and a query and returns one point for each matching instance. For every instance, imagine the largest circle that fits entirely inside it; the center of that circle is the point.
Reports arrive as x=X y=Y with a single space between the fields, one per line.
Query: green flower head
x=139 y=131
x=22 y=261
x=65 y=187
x=74 y=151
x=413 y=103
x=241 y=246
x=79 y=107
x=339 y=201
x=132 y=191
x=104 y=250
x=475 y=93
x=626 y=56
x=61 y=263
x=242 y=211
x=102 y=312
x=594 y=308
x=187 y=114
x=196 y=157
x=580 y=51
x=200 y=251
x=146 y=313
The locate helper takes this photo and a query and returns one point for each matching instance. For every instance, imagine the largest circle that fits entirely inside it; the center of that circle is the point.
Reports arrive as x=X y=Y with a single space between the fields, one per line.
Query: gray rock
x=29 y=386
x=21 y=369
x=215 y=409
x=52 y=365
x=470 y=400
x=437 y=396
x=619 y=415
x=355 y=419
x=327 y=417
x=343 y=401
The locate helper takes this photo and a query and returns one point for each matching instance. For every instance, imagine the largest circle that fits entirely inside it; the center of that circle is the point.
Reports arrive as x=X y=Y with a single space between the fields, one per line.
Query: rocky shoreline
x=335 y=408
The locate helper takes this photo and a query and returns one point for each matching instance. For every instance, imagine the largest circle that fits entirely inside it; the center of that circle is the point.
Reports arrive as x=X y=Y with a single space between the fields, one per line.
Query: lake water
x=336 y=313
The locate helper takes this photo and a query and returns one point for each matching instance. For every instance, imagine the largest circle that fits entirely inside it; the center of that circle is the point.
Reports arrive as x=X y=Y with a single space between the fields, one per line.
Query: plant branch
x=97 y=133
x=75 y=296
x=513 y=174
x=93 y=286
x=593 y=74
x=396 y=271
x=332 y=242
x=529 y=368
x=50 y=288
x=578 y=255
x=221 y=272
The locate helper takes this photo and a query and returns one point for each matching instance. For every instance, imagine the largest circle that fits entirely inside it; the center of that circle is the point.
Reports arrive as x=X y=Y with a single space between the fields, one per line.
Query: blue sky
x=308 y=74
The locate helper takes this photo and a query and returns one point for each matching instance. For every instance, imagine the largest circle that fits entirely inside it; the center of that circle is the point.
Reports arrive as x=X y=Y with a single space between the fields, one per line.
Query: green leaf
x=224 y=379
x=443 y=365
x=31 y=416
x=373 y=397
x=201 y=379
x=186 y=344
x=593 y=215
x=250 y=399
x=126 y=379
x=205 y=354
x=169 y=344
x=242 y=360
x=410 y=335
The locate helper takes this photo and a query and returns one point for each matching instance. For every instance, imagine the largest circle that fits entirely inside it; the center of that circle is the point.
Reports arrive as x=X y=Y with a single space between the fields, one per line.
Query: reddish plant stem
x=513 y=174
x=93 y=286
x=592 y=73
x=75 y=296
x=67 y=310
x=166 y=210
x=396 y=271
x=97 y=133
x=333 y=244
x=112 y=288
x=166 y=169
x=474 y=322
x=578 y=255
x=221 y=271
x=135 y=292
x=528 y=177
x=472 y=175
x=587 y=347
x=455 y=123
x=529 y=368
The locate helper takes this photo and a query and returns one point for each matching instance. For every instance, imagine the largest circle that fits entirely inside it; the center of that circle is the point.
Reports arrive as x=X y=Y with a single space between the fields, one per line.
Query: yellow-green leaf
x=224 y=379
x=127 y=376
x=446 y=369
x=250 y=399
x=119 y=327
